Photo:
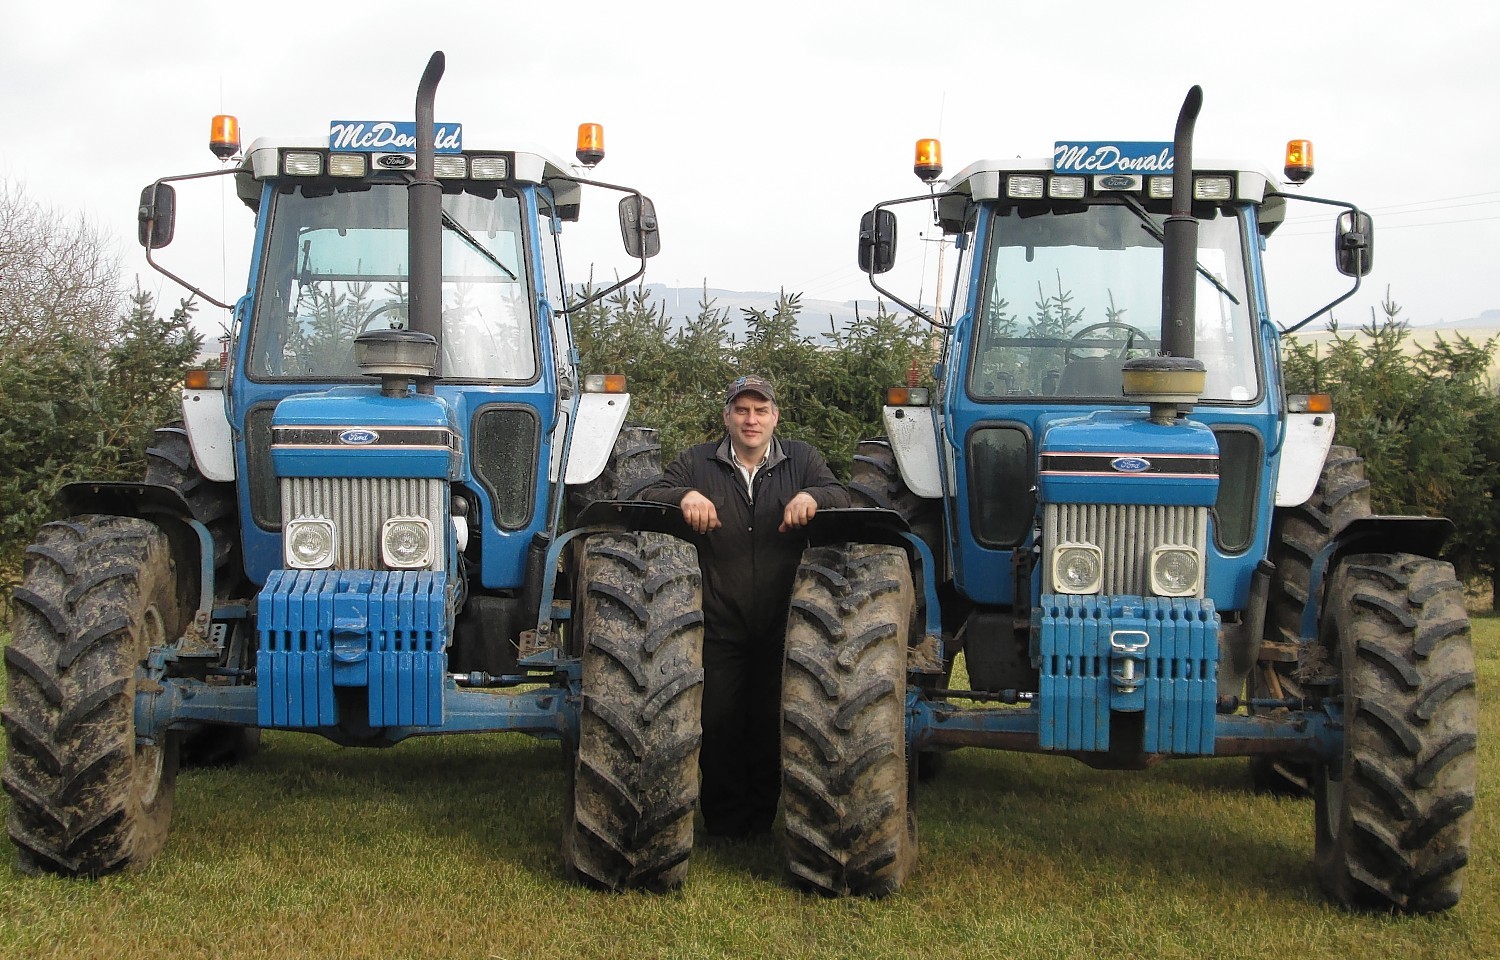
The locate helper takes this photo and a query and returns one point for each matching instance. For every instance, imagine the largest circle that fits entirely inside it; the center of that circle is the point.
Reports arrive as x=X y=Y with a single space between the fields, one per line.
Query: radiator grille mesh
x=360 y=506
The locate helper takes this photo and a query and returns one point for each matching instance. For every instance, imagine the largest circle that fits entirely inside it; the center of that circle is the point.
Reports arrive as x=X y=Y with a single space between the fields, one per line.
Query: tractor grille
x=1126 y=533
x=360 y=506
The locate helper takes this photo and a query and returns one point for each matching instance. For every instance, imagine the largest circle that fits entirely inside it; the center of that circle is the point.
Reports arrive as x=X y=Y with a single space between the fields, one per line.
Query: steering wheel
x=1106 y=334
x=388 y=307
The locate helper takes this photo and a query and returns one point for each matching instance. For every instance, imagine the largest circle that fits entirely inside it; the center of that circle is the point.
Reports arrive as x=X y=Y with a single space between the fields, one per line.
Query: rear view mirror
x=1354 y=244
x=638 y=226
x=877 y=241
x=156 y=216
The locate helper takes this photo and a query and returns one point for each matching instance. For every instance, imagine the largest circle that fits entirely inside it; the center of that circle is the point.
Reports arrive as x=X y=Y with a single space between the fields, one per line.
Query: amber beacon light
x=1299 y=160
x=929 y=163
x=590 y=144
x=224 y=136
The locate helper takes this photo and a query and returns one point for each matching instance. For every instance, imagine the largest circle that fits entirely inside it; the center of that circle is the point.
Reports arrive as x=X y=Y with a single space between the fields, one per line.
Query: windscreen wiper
x=1151 y=227
x=472 y=241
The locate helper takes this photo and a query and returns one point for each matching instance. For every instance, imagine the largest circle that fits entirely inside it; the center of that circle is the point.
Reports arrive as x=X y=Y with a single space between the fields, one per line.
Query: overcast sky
x=764 y=129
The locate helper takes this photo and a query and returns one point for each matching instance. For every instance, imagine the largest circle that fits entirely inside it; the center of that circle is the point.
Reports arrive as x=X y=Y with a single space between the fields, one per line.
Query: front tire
x=170 y=462
x=1298 y=534
x=1395 y=812
x=87 y=799
x=633 y=782
x=846 y=785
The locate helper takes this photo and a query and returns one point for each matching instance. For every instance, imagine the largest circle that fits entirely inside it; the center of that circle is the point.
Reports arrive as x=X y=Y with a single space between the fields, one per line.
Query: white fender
x=207 y=421
x=1304 y=447
x=596 y=424
x=914 y=441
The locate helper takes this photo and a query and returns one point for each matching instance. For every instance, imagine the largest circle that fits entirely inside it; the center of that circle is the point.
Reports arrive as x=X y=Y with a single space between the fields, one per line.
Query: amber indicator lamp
x=224 y=136
x=590 y=143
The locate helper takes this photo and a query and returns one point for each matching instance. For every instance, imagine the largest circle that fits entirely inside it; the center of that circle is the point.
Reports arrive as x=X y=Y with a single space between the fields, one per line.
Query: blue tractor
x=367 y=524
x=1142 y=545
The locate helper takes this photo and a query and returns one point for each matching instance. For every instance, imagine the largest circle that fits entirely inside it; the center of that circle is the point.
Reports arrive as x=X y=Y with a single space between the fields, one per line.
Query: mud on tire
x=86 y=799
x=633 y=782
x=1297 y=535
x=846 y=784
x=1395 y=814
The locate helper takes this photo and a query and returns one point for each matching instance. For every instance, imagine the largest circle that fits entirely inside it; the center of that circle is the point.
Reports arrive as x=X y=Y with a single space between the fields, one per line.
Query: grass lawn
x=448 y=848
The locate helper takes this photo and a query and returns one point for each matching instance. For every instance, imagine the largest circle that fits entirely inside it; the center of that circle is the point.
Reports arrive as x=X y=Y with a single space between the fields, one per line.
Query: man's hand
x=699 y=512
x=799 y=510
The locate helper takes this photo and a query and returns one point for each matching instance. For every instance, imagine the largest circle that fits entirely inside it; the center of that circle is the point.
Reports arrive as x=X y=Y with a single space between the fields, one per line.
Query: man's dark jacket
x=748 y=565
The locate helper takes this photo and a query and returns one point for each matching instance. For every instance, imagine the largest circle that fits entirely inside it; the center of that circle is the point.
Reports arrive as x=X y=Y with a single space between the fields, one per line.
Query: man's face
x=750 y=420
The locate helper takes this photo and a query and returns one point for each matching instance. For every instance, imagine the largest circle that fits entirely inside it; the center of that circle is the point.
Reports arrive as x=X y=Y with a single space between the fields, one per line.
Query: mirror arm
x=870 y=272
x=1357 y=278
x=566 y=308
x=150 y=260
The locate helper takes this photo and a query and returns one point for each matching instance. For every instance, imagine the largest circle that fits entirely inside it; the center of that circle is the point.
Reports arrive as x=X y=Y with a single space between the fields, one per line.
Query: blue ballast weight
x=320 y=629
x=1149 y=655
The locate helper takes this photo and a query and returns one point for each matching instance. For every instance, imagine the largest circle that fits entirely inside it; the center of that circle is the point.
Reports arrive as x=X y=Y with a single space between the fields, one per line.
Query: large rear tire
x=1297 y=535
x=846 y=786
x=1395 y=812
x=86 y=799
x=633 y=782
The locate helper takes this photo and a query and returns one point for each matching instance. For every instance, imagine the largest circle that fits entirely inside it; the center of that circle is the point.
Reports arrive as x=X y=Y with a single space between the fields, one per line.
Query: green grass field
x=448 y=848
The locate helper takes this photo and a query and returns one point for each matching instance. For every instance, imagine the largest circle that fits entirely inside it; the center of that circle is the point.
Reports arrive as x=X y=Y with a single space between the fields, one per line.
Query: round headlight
x=1077 y=568
x=406 y=543
x=1175 y=571
x=309 y=543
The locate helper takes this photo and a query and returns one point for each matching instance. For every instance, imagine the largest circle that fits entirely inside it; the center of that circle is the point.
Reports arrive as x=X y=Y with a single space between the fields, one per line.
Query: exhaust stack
x=424 y=222
x=1171 y=383
x=1181 y=239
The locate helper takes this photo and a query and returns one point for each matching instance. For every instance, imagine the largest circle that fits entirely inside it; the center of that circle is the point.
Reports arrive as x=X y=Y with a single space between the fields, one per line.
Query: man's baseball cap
x=751 y=384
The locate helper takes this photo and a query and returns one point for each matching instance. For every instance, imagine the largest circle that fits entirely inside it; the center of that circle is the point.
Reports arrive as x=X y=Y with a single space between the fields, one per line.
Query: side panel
x=913 y=435
x=595 y=428
x=1304 y=448
x=207 y=419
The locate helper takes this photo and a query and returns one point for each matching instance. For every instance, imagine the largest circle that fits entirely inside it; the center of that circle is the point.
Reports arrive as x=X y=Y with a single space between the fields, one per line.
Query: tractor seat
x=1091 y=377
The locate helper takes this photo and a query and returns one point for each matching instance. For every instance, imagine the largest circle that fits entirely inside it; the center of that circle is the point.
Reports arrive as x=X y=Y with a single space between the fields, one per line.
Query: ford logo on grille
x=395 y=161
x=1130 y=464
x=358 y=437
x=1116 y=182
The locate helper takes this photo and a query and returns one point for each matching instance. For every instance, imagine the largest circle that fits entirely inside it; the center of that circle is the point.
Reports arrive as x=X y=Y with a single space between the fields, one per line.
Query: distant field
x=1427 y=336
x=447 y=848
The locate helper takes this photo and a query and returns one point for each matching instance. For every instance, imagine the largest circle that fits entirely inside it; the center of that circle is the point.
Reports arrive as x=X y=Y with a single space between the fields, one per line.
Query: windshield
x=335 y=266
x=1069 y=296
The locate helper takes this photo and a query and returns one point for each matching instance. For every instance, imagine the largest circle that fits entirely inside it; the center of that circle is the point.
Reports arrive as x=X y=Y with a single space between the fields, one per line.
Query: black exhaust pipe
x=1180 y=240
x=424 y=222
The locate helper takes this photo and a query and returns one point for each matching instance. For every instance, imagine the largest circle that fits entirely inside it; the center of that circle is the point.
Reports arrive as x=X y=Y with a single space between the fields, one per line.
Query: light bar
x=346 y=164
x=450 y=166
x=1159 y=188
x=1066 y=188
x=1213 y=188
x=489 y=168
x=1024 y=187
x=299 y=164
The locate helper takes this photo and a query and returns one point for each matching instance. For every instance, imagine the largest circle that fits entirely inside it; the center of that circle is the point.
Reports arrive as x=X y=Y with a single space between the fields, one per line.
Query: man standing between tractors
x=746 y=497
